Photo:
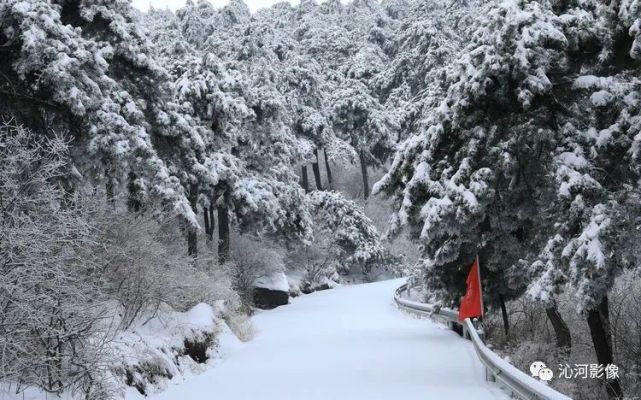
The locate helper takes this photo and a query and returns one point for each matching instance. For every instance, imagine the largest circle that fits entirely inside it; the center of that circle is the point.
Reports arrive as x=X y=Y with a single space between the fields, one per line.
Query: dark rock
x=197 y=348
x=267 y=299
x=306 y=288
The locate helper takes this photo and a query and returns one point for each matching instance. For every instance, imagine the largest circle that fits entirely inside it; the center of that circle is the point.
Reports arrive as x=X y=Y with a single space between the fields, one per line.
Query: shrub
x=51 y=305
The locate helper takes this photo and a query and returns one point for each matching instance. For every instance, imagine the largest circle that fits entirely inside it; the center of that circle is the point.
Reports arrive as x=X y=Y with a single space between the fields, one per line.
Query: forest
x=214 y=161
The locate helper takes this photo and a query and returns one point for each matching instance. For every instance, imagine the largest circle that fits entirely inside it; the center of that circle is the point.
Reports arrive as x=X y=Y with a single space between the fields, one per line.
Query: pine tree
x=89 y=69
x=361 y=121
x=347 y=235
x=510 y=162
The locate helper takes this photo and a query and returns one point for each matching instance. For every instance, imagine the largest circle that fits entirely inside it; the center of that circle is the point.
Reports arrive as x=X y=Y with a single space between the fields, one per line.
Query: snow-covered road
x=350 y=343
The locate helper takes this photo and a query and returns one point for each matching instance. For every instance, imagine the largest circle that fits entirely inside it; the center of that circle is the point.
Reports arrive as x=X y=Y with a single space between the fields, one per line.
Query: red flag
x=472 y=302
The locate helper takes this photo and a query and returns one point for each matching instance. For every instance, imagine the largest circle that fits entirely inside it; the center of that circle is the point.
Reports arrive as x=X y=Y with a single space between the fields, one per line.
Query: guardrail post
x=478 y=325
x=489 y=376
x=456 y=327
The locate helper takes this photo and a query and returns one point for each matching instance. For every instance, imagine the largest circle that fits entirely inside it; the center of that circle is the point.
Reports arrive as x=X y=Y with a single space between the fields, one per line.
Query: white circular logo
x=536 y=367
x=546 y=374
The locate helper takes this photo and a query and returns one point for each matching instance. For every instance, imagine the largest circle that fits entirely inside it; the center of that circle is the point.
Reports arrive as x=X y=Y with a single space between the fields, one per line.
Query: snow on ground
x=347 y=343
x=274 y=281
x=156 y=344
x=7 y=392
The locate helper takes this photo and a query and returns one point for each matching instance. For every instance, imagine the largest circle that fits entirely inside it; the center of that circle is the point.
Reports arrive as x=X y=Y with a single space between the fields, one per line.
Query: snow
x=159 y=342
x=601 y=98
x=591 y=81
x=470 y=198
x=7 y=392
x=572 y=160
x=155 y=342
x=168 y=329
x=254 y=5
x=23 y=7
x=275 y=281
x=347 y=343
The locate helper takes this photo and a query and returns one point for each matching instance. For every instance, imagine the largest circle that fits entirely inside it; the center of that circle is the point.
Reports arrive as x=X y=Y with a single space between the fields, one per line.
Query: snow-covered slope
x=348 y=343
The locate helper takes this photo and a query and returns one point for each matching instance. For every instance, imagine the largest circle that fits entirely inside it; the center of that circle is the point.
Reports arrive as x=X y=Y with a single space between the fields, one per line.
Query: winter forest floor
x=347 y=343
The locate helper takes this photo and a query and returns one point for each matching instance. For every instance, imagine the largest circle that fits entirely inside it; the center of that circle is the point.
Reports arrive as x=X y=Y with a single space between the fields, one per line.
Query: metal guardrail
x=520 y=384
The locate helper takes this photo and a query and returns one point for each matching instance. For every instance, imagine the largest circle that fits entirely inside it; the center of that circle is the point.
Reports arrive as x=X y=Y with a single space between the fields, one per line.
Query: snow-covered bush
x=78 y=278
x=145 y=265
x=51 y=306
x=256 y=263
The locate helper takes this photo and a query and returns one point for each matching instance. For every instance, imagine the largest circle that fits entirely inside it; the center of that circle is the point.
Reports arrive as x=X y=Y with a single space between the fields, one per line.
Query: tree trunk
x=212 y=221
x=329 y=171
x=599 y=324
x=192 y=233
x=561 y=330
x=134 y=200
x=206 y=218
x=223 y=234
x=317 y=175
x=506 y=319
x=364 y=172
x=109 y=187
x=305 y=181
x=604 y=308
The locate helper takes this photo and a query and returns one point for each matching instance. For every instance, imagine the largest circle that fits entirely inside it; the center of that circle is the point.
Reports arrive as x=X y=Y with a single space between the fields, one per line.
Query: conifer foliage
x=530 y=159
